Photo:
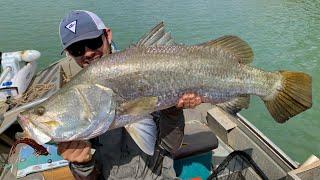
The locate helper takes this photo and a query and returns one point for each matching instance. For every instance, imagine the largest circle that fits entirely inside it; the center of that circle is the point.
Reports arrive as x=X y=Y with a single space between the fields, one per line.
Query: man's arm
x=171 y=128
x=82 y=164
x=171 y=122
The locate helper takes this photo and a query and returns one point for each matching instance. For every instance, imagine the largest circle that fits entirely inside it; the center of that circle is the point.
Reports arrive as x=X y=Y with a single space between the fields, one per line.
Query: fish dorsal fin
x=143 y=105
x=233 y=45
x=157 y=36
x=144 y=133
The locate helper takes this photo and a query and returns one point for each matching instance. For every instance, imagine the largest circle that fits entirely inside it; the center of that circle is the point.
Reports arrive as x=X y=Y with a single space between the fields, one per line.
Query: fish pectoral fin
x=236 y=104
x=143 y=105
x=144 y=133
x=234 y=46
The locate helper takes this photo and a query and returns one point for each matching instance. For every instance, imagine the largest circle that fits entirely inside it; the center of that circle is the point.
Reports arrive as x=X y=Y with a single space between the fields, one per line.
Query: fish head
x=78 y=113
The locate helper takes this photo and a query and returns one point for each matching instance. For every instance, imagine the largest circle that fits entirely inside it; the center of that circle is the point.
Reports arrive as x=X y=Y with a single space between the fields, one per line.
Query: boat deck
x=235 y=133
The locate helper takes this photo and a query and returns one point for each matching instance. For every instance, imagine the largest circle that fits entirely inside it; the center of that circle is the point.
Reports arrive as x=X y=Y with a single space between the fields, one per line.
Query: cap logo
x=72 y=26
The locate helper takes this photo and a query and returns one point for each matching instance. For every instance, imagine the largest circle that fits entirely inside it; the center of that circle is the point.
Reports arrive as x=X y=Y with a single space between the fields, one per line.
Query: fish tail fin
x=294 y=96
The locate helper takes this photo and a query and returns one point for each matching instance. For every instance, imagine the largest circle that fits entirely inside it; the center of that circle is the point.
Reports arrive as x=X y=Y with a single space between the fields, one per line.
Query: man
x=85 y=38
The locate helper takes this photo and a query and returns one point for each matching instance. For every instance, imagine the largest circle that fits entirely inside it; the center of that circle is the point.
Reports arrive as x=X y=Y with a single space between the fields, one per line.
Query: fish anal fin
x=234 y=46
x=236 y=104
x=143 y=105
x=144 y=133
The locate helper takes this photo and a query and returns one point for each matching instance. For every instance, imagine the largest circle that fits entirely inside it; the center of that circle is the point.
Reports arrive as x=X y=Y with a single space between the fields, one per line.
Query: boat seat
x=198 y=139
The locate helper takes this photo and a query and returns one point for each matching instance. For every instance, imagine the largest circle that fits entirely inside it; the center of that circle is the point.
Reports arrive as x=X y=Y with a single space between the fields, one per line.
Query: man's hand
x=189 y=100
x=75 y=151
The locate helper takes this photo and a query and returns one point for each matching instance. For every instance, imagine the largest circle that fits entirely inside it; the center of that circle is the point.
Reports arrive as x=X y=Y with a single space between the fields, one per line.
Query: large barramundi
x=122 y=88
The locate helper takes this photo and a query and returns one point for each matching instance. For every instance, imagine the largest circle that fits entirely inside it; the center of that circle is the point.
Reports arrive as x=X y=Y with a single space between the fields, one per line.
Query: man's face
x=86 y=51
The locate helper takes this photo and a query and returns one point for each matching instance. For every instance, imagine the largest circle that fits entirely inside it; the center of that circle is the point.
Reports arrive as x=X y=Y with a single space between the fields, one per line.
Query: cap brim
x=89 y=35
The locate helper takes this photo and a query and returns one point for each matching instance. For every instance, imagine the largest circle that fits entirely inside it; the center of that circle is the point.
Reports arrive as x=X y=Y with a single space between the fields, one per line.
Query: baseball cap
x=79 y=25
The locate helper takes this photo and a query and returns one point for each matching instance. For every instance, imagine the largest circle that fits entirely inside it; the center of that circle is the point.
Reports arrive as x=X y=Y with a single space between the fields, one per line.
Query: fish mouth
x=40 y=135
x=23 y=119
x=44 y=122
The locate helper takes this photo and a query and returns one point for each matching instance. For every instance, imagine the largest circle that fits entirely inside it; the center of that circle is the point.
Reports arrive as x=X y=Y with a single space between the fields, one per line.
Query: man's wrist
x=84 y=170
x=84 y=164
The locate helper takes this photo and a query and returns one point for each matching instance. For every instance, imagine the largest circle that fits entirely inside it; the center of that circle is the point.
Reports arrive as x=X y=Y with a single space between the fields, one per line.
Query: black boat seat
x=198 y=138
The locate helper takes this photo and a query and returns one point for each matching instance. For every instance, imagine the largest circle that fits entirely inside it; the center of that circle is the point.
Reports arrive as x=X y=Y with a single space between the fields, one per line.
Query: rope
x=34 y=92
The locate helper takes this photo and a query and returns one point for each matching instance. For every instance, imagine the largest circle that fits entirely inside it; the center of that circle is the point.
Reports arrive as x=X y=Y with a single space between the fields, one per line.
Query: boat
x=217 y=144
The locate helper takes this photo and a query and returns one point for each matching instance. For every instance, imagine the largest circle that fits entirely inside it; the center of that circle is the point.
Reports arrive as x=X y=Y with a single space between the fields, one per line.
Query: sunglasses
x=78 y=49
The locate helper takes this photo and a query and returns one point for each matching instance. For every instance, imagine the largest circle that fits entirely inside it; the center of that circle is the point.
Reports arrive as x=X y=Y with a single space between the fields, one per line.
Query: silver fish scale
x=77 y=112
x=167 y=72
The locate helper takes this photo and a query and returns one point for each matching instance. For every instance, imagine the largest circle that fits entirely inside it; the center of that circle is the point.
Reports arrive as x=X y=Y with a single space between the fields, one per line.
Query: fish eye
x=40 y=110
